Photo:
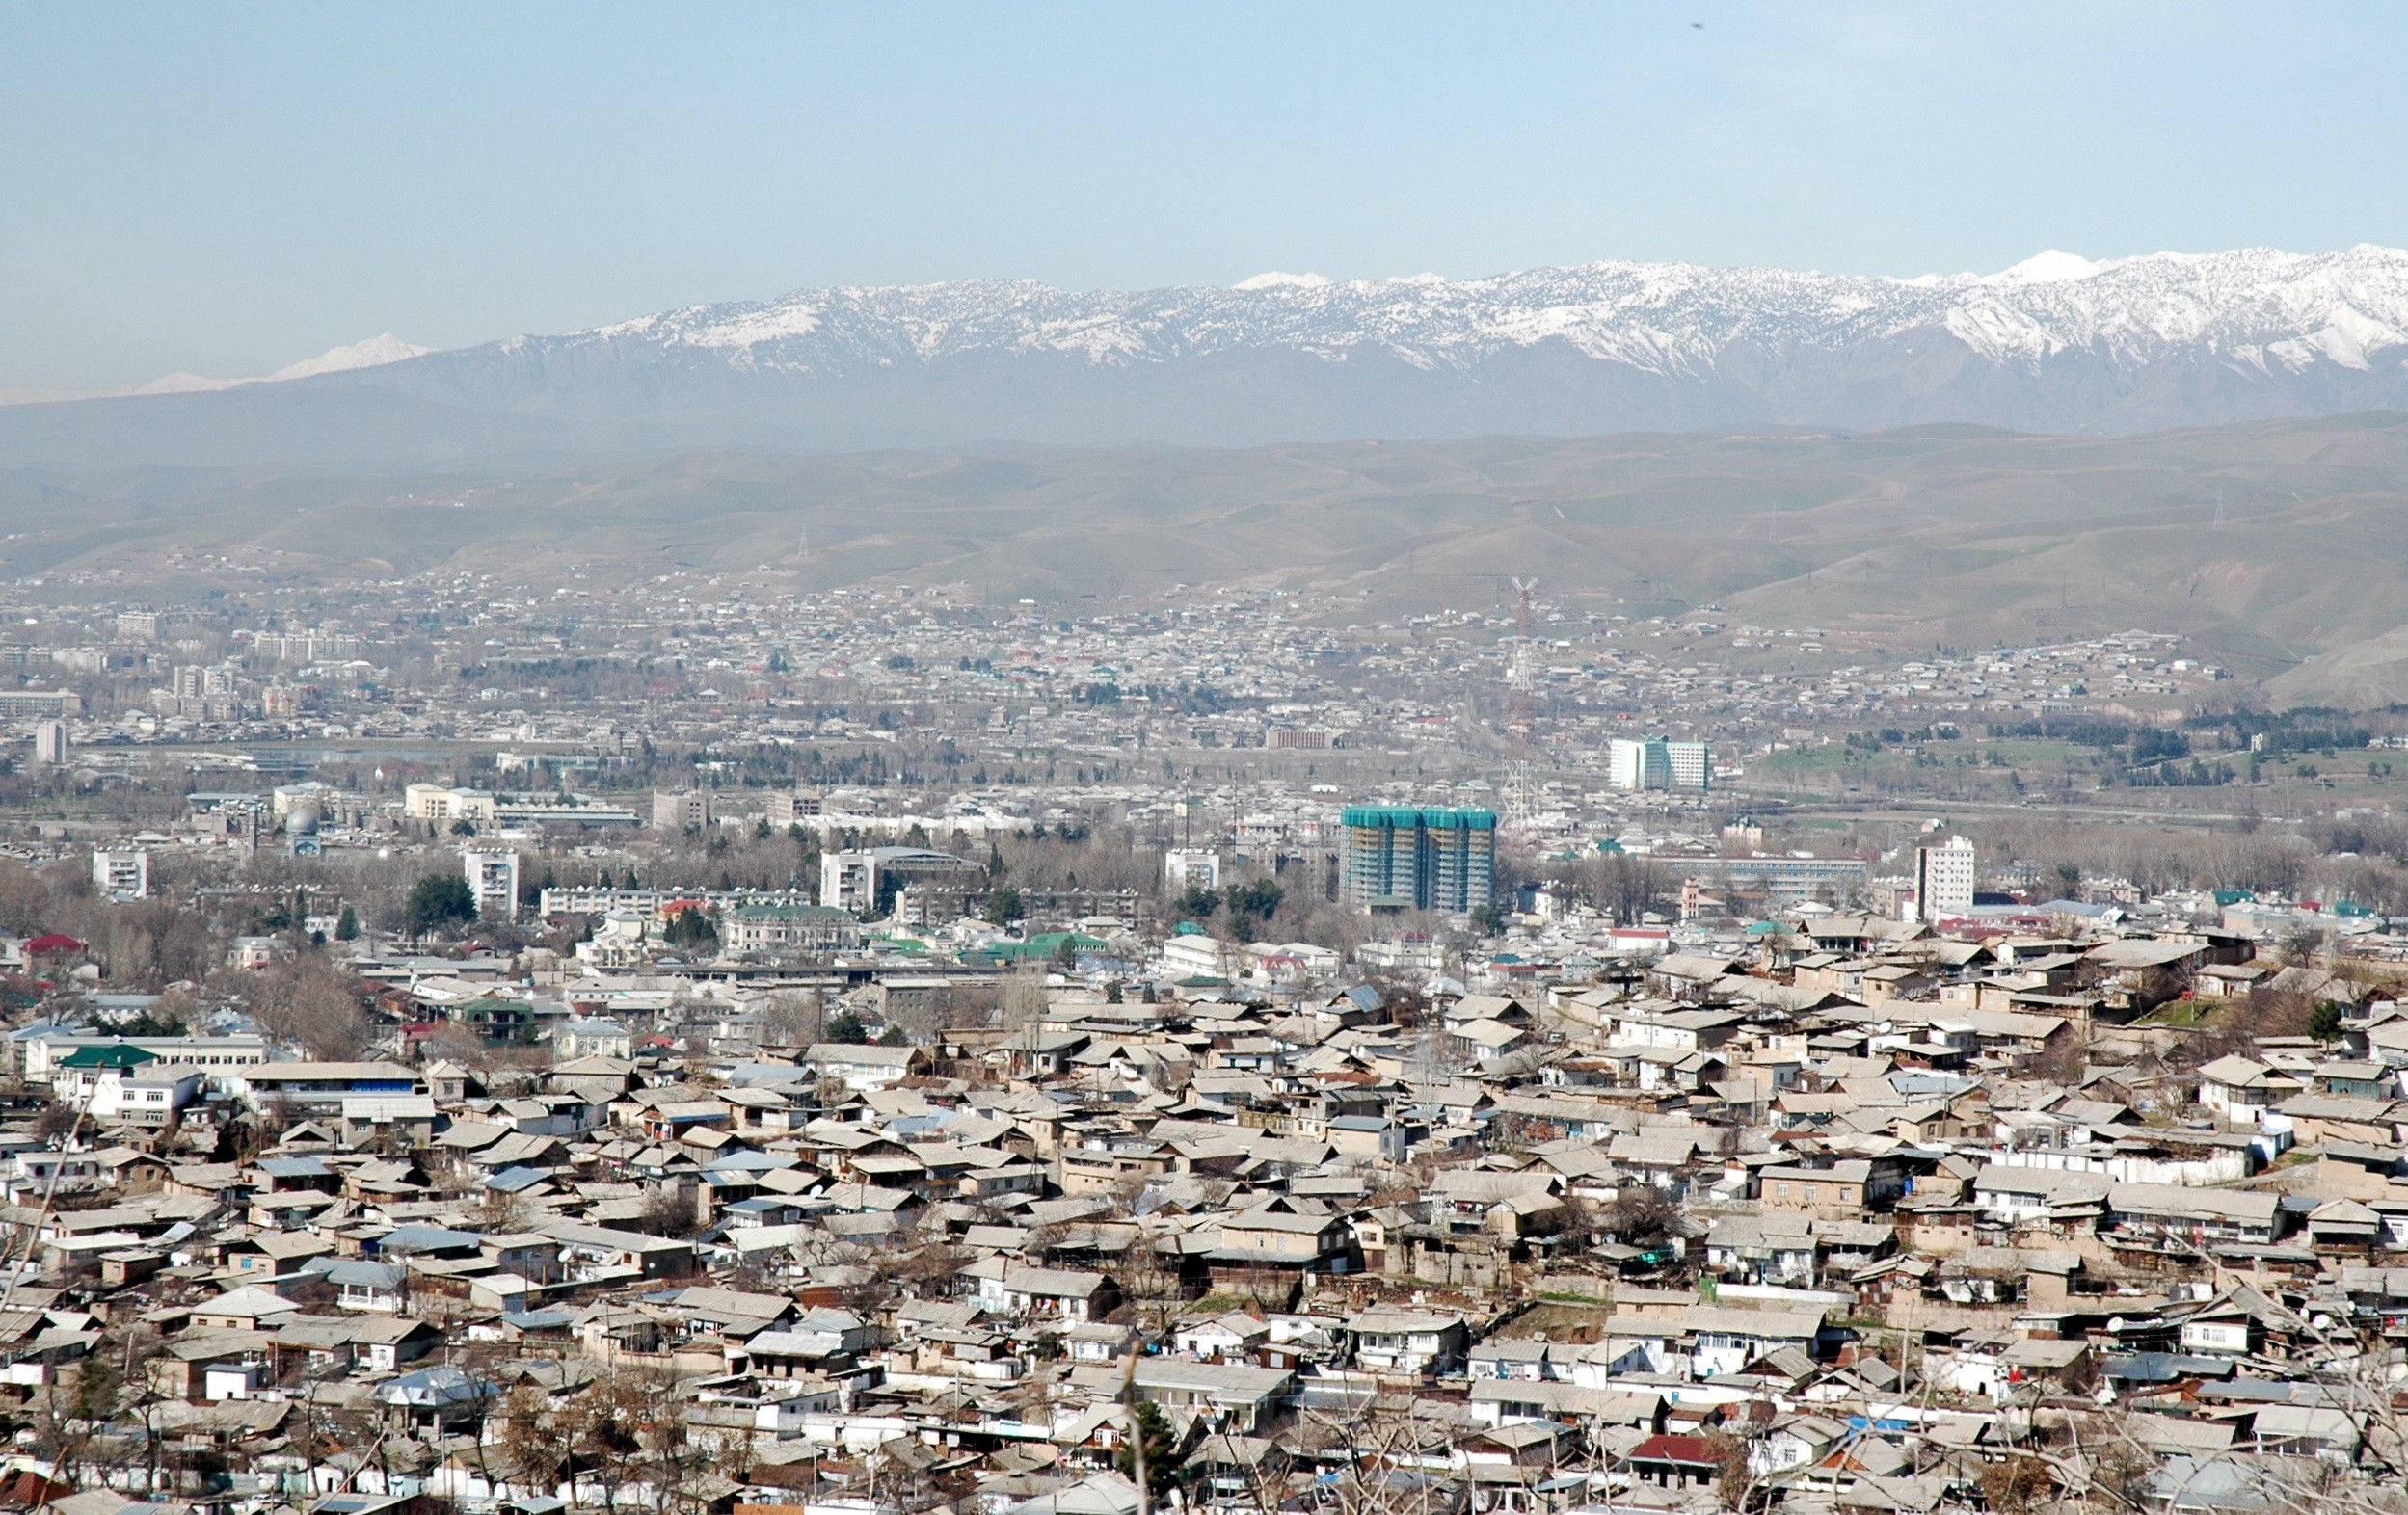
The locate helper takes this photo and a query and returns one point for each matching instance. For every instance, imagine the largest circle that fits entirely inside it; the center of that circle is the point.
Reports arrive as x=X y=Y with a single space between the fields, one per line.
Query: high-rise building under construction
x=1405 y=857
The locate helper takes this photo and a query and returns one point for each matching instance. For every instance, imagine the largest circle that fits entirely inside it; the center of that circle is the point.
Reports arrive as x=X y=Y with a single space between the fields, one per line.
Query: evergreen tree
x=1154 y=1432
x=437 y=900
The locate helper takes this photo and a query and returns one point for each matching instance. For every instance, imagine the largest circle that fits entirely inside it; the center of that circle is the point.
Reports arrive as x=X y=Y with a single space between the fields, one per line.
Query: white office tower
x=1692 y=765
x=494 y=879
x=1943 y=879
x=50 y=743
x=1638 y=764
x=1654 y=762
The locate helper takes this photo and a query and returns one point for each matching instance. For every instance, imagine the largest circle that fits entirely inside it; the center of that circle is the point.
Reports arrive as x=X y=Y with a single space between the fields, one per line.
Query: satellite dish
x=2114 y=1323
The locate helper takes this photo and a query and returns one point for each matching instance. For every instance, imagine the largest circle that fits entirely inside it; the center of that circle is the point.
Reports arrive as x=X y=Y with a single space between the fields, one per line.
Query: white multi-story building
x=847 y=880
x=1690 y=766
x=50 y=743
x=439 y=802
x=121 y=874
x=494 y=879
x=35 y=1057
x=1636 y=763
x=1191 y=868
x=855 y=881
x=677 y=811
x=151 y=1094
x=1655 y=762
x=1943 y=879
x=1194 y=956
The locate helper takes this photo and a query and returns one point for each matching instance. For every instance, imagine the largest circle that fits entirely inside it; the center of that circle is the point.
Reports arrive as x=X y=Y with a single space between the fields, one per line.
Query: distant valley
x=2274 y=546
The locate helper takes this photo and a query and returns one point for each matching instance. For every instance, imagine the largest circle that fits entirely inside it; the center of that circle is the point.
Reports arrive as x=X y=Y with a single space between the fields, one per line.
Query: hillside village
x=1863 y=1217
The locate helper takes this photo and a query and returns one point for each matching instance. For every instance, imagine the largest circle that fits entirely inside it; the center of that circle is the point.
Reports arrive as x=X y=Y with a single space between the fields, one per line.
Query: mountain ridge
x=1609 y=310
x=2056 y=344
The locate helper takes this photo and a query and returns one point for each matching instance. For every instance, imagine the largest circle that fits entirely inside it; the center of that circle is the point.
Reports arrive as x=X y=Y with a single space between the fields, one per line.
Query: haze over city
x=1405 y=761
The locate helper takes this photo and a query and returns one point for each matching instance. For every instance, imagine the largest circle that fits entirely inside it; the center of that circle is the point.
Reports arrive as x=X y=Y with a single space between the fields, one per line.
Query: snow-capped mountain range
x=374 y=353
x=2057 y=343
x=2258 y=310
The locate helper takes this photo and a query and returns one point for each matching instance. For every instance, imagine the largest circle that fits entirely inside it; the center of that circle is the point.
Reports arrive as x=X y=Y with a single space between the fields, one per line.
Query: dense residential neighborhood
x=676 y=1042
x=1848 y=1213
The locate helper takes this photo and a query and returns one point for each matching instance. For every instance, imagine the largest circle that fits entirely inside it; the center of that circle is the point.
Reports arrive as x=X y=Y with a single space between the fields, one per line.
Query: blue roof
x=751 y=1162
x=743 y=1074
x=436 y=1386
x=425 y=1238
x=518 y=1179
x=2161 y=1368
x=367 y=1275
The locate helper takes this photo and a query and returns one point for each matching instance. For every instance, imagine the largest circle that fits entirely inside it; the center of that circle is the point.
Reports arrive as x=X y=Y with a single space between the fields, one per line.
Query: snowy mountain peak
x=2052 y=267
x=1274 y=280
x=373 y=353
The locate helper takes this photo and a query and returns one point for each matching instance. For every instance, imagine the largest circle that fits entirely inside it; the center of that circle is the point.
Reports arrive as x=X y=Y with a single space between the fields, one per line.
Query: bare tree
x=793 y=1018
x=1024 y=998
x=312 y=1003
x=533 y=1437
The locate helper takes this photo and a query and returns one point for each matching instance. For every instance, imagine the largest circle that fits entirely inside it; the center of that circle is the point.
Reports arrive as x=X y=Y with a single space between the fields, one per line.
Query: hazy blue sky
x=225 y=189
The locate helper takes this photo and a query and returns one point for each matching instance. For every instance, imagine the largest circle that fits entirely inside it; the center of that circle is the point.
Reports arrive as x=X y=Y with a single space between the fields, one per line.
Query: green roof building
x=114 y=1056
x=1406 y=857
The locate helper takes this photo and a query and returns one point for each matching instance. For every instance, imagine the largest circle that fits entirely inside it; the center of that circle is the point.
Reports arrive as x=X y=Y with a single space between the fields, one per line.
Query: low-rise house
x=1845 y=1190
x=2242 y=1091
x=1420 y=1342
x=1242 y=1399
x=1057 y=1293
x=864 y=1068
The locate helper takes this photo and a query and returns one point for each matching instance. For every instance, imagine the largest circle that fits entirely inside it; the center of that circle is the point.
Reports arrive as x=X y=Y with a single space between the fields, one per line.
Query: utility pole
x=1137 y=1433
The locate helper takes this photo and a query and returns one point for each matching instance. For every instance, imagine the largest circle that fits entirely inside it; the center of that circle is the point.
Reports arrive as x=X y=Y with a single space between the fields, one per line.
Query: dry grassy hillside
x=2280 y=545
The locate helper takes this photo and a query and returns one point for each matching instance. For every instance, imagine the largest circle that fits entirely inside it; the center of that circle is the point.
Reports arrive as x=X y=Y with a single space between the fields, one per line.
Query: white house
x=2243 y=1092
x=1394 y=1341
x=583 y=1038
x=150 y=1095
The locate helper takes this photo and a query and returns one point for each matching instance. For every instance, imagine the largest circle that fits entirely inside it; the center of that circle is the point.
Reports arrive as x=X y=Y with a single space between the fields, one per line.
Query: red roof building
x=1676 y=1461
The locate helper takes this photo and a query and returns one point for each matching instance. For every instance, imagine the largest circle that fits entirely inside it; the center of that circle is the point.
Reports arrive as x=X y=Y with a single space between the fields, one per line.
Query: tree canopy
x=436 y=901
